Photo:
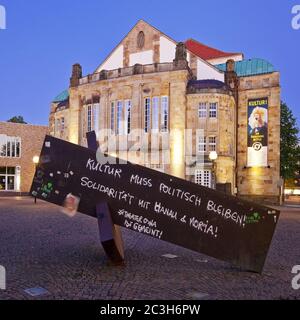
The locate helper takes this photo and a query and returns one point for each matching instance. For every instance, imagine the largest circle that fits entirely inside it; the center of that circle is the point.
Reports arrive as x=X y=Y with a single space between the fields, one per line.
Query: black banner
x=156 y=204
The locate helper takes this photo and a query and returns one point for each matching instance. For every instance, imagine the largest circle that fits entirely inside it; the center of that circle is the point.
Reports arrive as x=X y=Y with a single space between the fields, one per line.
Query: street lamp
x=213 y=156
x=36 y=160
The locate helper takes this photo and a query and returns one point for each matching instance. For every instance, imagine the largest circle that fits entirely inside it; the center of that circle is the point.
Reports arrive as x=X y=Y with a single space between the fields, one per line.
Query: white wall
x=114 y=61
x=238 y=57
x=144 y=57
x=205 y=71
x=167 y=50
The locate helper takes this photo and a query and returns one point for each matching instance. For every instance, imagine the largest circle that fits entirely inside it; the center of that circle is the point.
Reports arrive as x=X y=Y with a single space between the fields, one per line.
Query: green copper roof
x=62 y=96
x=250 y=67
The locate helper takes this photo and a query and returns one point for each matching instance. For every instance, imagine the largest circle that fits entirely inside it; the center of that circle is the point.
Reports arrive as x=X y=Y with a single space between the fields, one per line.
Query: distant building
x=19 y=143
x=153 y=83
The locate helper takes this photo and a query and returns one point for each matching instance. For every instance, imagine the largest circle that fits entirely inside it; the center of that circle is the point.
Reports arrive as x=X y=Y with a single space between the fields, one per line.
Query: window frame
x=202 y=143
x=127 y=121
x=119 y=116
x=213 y=113
x=112 y=117
x=203 y=177
x=202 y=111
x=212 y=146
x=164 y=121
x=155 y=114
x=147 y=115
x=13 y=147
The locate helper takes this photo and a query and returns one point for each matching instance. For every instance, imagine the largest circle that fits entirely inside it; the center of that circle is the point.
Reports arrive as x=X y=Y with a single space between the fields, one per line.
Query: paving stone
x=42 y=247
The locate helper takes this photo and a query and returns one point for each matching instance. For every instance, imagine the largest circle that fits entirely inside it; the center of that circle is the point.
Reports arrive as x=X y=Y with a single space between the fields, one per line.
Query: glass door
x=7 y=179
x=10 y=183
x=2 y=183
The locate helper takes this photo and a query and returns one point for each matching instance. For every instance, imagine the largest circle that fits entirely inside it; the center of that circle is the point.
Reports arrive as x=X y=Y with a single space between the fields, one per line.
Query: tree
x=17 y=119
x=289 y=143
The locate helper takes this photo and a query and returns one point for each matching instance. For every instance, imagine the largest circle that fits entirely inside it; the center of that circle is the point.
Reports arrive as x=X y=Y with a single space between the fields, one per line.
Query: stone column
x=177 y=122
x=74 y=123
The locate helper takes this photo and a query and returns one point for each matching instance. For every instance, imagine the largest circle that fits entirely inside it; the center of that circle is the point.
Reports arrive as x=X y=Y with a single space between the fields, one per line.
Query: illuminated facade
x=167 y=105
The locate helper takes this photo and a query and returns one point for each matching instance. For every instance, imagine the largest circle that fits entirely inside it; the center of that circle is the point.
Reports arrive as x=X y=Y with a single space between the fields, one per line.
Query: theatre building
x=19 y=144
x=212 y=117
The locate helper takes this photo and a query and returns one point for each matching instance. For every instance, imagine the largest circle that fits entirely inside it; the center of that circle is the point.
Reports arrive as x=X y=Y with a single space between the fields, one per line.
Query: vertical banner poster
x=257 y=155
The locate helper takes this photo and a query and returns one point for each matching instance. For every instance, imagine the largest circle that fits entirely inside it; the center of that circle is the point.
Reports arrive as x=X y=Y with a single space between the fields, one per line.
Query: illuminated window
x=213 y=110
x=96 y=114
x=112 y=117
x=89 y=118
x=164 y=113
x=119 y=117
x=202 y=110
x=147 y=114
x=127 y=116
x=155 y=114
x=212 y=144
x=203 y=177
x=7 y=178
x=202 y=144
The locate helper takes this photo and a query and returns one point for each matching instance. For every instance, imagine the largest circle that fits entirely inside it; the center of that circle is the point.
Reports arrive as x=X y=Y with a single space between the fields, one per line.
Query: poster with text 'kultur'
x=257 y=133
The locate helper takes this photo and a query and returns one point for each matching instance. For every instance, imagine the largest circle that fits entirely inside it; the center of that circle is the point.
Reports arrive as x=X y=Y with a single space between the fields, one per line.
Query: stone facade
x=31 y=140
x=91 y=99
x=260 y=183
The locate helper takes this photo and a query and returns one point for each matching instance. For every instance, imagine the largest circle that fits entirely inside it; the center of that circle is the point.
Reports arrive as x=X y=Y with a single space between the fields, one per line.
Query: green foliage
x=289 y=144
x=17 y=119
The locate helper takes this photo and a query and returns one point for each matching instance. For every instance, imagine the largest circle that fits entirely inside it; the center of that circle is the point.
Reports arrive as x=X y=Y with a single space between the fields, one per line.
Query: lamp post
x=213 y=156
x=35 y=160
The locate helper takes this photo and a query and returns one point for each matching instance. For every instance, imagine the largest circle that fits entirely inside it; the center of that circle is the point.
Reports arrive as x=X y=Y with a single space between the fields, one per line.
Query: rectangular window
x=89 y=118
x=127 y=116
x=248 y=84
x=212 y=143
x=155 y=114
x=10 y=146
x=119 y=117
x=164 y=113
x=18 y=147
x=202 y=144
x=213 y=110
x=57 y=127
x=147 y=115
x=96 y=113
x=266 y=82
x=202 y=110
x=3 y=140
x=203 y=177
x=112 y=117
x=62 y=124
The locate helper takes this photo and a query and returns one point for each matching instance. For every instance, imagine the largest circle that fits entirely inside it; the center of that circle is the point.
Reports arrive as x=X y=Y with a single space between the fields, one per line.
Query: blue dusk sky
x=44 y=38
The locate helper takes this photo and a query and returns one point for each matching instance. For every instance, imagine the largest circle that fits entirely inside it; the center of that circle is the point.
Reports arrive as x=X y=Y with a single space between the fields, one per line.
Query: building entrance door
x=7 y=179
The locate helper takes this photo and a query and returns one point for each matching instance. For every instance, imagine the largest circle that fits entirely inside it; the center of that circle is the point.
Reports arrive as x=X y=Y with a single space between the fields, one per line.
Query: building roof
x=195 y=86
x=250 y=67
x=63 y=96
x=205 y=52
x=206 y=84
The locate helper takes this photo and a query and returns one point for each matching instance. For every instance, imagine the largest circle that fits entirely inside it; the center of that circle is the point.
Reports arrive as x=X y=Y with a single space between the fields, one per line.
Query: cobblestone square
x=43 y=248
